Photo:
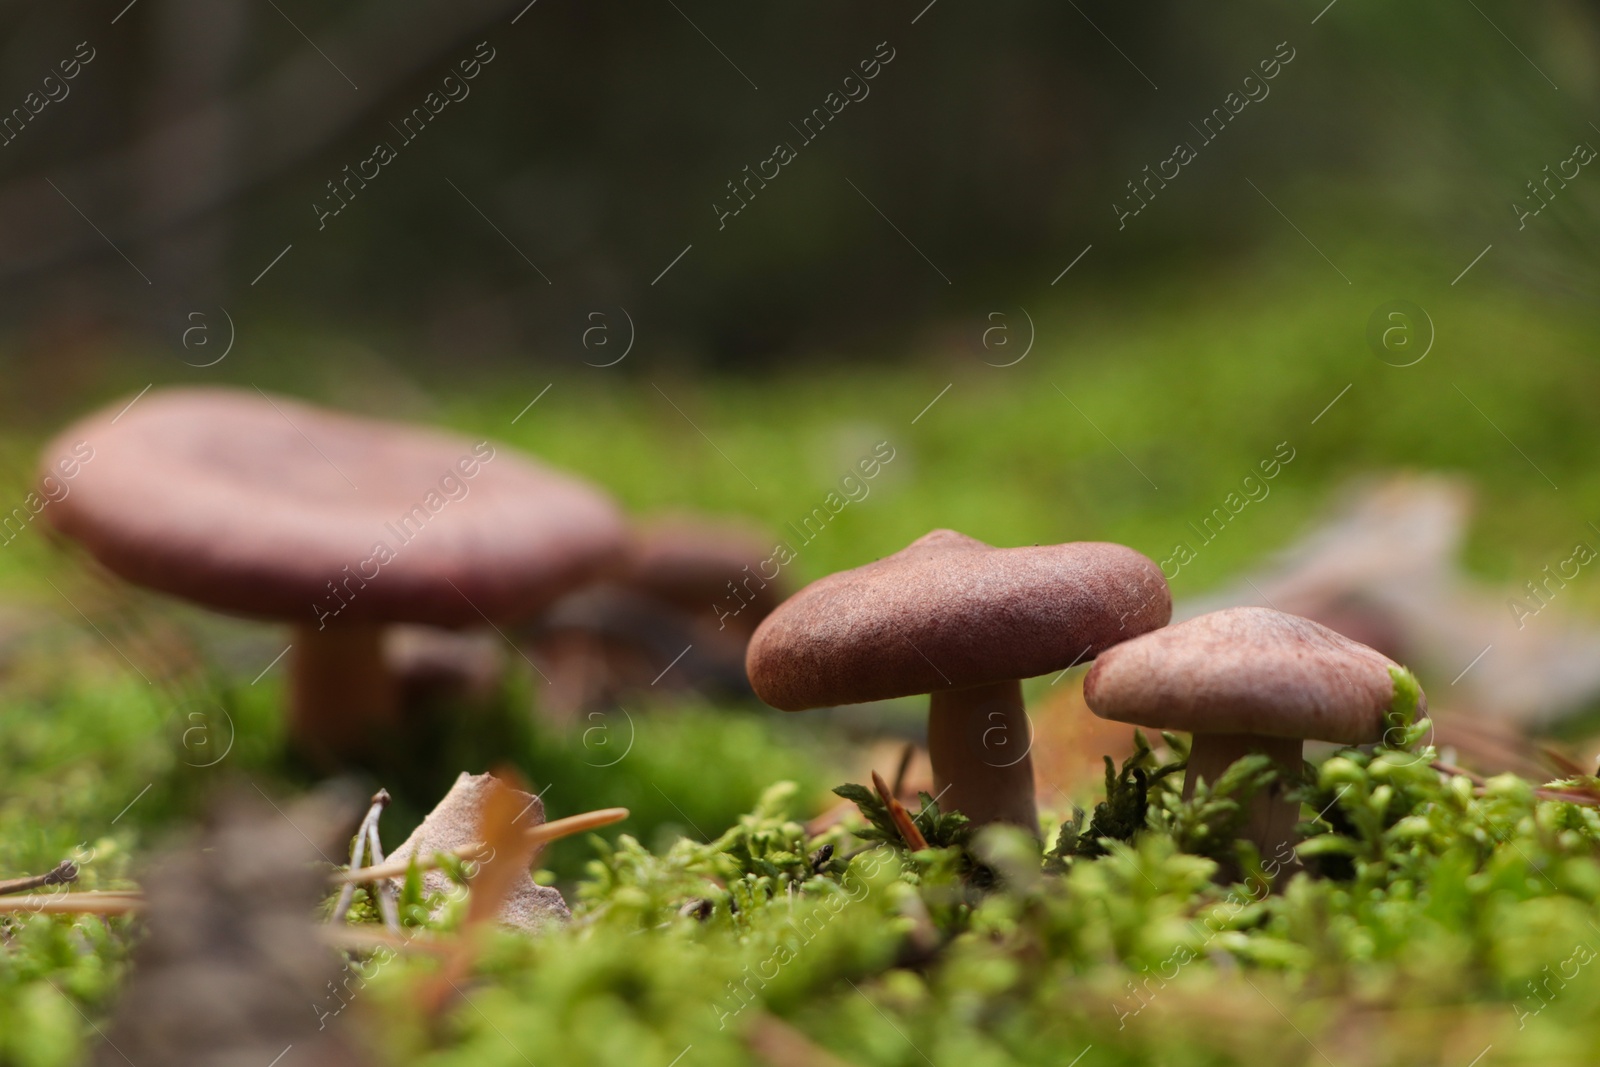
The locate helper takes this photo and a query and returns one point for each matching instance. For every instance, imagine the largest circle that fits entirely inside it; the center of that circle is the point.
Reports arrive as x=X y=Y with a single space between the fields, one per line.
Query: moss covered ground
x=1435 y=920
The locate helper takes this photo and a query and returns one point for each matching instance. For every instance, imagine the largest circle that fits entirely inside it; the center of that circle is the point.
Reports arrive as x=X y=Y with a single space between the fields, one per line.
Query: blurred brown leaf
x=232 y=969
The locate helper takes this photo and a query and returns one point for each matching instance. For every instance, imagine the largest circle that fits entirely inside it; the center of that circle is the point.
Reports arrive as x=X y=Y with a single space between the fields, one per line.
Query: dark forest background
x=596 y=142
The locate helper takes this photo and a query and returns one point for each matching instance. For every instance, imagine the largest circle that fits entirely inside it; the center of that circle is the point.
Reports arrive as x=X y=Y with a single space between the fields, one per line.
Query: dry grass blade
x=1586 y=799
x=576 y=824
x=539 y=835
x=902 y=818
x=102 y=903
x=364 y=938
x=398 y=868
x=1562 y=764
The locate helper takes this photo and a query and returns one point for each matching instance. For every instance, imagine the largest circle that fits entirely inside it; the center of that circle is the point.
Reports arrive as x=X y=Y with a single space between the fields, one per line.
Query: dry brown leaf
x=505 y=812
x=506 y=816
x=232 y=968
x=457 y=822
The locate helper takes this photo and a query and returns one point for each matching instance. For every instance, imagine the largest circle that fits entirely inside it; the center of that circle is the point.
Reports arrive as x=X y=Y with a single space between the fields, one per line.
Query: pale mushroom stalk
x=1272 y=815
x=342 y=691
x=968 y=729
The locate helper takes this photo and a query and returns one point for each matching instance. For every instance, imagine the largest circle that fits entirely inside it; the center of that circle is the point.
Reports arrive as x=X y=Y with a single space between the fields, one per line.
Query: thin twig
x=65 y=871
x=1451 y=769
x=380 y=799
x=384 y=887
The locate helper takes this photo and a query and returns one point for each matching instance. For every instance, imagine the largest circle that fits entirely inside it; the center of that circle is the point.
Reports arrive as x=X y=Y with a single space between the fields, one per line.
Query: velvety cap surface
x=253 y=504
x=948 y=612
x=1246 y=671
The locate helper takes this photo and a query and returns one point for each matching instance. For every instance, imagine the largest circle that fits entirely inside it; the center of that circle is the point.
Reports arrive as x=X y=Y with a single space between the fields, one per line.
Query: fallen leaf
x=458 y=821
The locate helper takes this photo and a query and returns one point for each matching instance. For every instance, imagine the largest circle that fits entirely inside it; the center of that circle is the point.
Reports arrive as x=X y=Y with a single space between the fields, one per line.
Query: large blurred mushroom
x=963 y=622
x=339 y=525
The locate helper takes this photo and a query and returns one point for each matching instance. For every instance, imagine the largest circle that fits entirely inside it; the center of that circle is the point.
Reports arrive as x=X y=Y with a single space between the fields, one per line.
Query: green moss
x=1453 y=906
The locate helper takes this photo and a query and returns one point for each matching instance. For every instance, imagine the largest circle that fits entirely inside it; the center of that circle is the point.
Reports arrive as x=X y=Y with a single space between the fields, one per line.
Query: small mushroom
x=675 y=617
x=339 y=525
x=964 y=622
x=438 y=668
x=712 y=568
x=1248 y=680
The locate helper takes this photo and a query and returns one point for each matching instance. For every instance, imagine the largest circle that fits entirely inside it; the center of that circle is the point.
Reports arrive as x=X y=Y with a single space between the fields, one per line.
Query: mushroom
x=1248 y=680
x=437 y=668
x=713 y=568
x=677 y=616
x=963 y=622
x=337 y=524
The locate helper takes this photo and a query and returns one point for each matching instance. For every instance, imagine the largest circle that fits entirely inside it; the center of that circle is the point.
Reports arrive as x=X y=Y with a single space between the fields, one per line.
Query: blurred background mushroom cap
x=690 y=561
x=265 y=506
x=1246 y=670
x=947 y=612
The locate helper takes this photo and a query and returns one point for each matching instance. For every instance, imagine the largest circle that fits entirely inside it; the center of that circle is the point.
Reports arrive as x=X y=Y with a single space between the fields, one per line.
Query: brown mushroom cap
x=689 y=561
x=1246 y=671
x=948 y=612
x=252 y=505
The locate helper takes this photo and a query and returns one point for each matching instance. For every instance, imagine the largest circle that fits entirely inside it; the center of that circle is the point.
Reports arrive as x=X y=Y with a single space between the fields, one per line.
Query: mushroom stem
x=1272 y=816
x=979 y=741
x=341 y=690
